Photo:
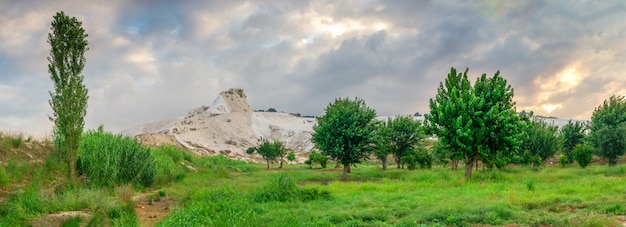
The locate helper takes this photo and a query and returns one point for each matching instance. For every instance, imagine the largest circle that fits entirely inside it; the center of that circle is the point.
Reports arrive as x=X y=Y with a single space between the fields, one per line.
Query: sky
x=155 y=60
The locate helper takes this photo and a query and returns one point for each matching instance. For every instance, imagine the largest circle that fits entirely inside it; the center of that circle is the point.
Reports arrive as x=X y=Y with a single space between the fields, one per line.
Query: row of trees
x=473 y=123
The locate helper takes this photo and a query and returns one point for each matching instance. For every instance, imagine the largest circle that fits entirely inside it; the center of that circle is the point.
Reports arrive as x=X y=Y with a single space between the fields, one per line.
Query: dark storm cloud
x=153 y=60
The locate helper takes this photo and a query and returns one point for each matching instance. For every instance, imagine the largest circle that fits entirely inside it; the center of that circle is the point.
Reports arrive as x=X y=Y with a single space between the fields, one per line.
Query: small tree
x=270 y=151
x=316 y=157
x=583 y=154
x=540 y=142
x=608 y=129
x=280 y=148
x=397 y=136
x=344 y=131
x=291 y=156
x=68 y=42
x=573 y=134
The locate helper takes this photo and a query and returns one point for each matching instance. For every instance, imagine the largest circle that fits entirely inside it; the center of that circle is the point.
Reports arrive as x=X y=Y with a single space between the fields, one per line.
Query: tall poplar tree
x=68 y=42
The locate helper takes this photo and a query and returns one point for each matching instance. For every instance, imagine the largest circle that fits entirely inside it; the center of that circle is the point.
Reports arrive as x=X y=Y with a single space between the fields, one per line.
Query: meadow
x=223 y=192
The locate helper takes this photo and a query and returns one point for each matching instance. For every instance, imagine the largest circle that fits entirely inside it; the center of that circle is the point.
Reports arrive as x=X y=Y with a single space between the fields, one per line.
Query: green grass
x=371 y=197
x=225 y=192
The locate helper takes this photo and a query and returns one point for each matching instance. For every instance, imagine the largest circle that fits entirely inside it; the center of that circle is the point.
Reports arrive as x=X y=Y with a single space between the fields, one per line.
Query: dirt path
x=152 y=208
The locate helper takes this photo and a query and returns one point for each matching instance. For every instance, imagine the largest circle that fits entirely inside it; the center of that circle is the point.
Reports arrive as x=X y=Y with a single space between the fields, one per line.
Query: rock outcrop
x=229 y=126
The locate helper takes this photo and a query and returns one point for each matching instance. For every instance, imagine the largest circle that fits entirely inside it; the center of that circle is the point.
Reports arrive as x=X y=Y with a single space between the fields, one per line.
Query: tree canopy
x=478 y=122
x=344 y=131
x=608 y=129
x=540 y=142
x=397 y=136
x=573 y=134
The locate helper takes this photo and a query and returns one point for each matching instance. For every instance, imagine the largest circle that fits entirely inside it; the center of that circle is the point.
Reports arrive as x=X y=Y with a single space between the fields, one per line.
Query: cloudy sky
x=154 y=60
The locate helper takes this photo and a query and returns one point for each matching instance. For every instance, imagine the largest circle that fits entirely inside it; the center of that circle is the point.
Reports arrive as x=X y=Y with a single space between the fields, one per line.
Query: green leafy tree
x=583 y=154
x=270 y=151
x=540 y=142
x=477 y=123
x=279 y=146
x=68 y=42
x=291 y=156
x=344 y=132
x=418 y=156
x=398 y=136
x=573 y=134
x=608 y=129
x=379 y=148
x=317 y=157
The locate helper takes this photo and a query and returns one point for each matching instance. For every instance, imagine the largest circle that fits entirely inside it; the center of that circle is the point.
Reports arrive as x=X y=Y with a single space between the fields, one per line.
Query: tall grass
x=108 y=159
x=168 y=163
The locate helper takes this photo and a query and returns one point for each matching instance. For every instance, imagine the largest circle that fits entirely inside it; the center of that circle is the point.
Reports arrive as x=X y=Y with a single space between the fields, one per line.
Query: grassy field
x=438 y=196
x=224 y=192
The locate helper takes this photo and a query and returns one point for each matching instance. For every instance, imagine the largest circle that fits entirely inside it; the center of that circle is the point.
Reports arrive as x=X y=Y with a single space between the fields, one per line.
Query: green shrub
x=583 y=154
x=563 y=161
x=419 y=156
x=108 y=159
x=316 y=157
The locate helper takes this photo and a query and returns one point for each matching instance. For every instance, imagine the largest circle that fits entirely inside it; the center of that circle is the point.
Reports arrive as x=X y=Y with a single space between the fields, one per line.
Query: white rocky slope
x=229 y=126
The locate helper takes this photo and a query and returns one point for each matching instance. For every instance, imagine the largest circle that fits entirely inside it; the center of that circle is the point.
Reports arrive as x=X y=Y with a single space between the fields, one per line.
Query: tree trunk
x=337 y=164
x=384 y=165
x=349 y=169
x=281 y=164
x=346 y=169
x=468 y=170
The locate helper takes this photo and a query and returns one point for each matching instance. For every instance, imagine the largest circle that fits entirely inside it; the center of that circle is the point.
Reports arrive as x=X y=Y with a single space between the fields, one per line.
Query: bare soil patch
x=151 y=209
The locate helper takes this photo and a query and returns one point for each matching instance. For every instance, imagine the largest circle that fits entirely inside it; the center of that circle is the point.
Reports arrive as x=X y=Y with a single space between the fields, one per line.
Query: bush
x=419 y=156
x=583 y=154
x=316 y=157
x=108 y=160
x=563 y=160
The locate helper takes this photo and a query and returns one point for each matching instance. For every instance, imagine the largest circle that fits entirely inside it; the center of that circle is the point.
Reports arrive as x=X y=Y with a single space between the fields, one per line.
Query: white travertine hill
x=229 y=126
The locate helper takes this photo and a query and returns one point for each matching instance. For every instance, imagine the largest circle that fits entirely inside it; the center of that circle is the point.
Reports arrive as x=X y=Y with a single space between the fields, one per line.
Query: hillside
x=228 y=126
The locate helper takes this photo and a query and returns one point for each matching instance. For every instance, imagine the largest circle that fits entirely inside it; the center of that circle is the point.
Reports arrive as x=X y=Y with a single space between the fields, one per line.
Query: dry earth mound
x=228 y=126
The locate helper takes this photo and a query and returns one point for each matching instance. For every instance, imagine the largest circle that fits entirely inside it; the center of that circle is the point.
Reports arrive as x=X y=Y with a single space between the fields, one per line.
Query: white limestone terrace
x=229 y=126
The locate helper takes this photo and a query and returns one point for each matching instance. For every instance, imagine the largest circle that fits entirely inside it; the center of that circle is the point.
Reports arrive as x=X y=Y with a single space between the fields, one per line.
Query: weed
x=125 y=193
x=615 y=209
x=123 y=216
